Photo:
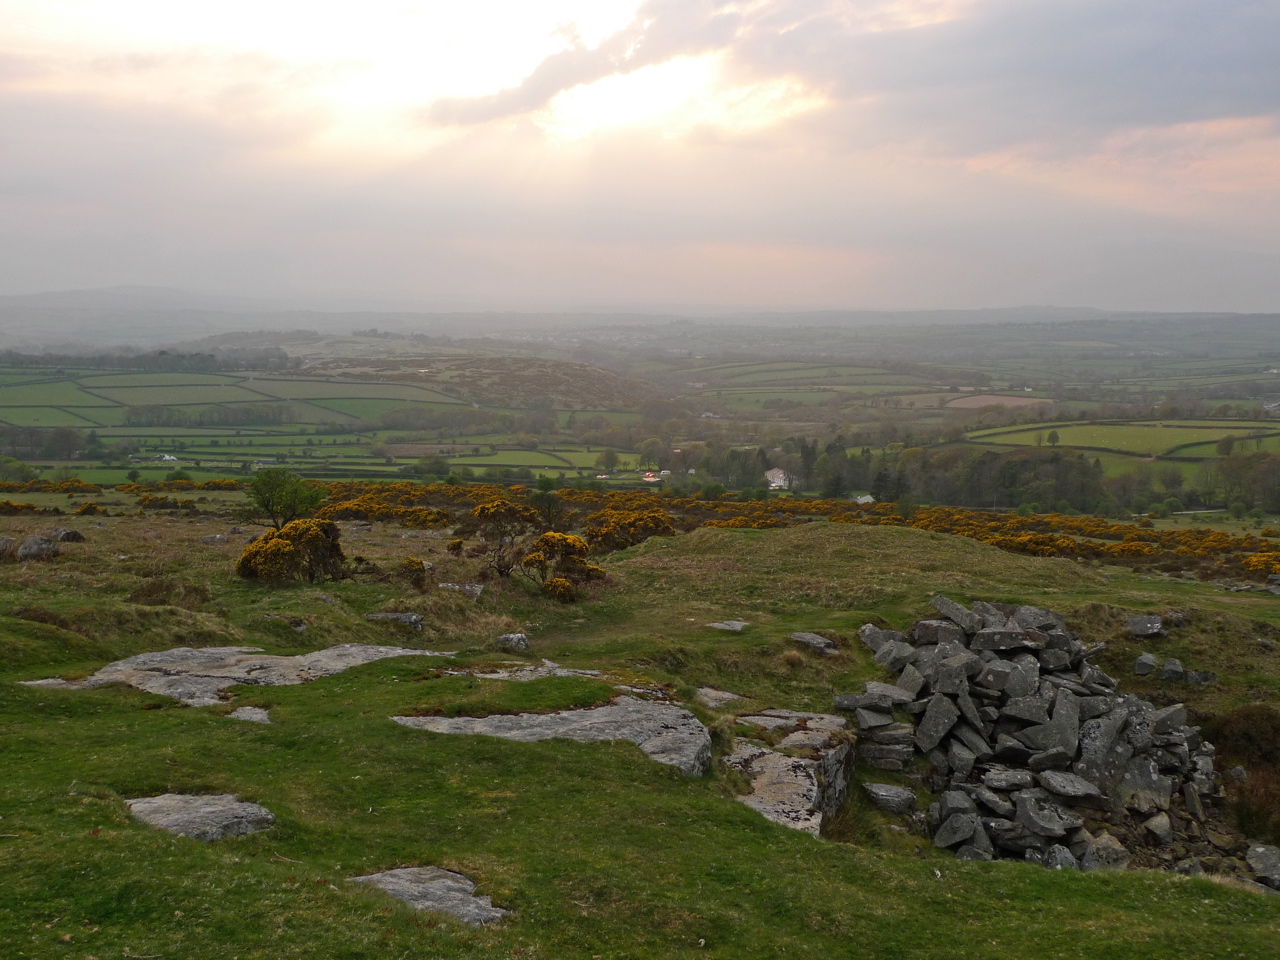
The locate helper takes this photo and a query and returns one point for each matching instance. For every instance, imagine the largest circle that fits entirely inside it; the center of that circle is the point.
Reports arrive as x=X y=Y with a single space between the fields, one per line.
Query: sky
x=690 y=155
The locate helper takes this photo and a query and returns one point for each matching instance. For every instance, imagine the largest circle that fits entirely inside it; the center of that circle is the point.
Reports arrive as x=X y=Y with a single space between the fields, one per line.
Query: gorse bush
x=613 y=529
x=300 y=550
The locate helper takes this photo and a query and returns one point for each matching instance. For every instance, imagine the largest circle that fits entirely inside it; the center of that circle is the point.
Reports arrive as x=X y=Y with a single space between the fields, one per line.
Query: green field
x=1151 y=439
x=43 y=417
x=64 y=393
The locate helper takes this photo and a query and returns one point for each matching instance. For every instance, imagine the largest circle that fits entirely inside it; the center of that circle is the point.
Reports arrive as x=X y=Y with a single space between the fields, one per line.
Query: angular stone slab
x=197 y=676
x=203 y=817
x=794 y=792
x=438 y=890
x=1146 y=626
x=1264 y=861
x=937 y=722
x=890 y=798
x=818 y=644
x=711 y=697
x=970 y=622
x=733 y=626
x=667 y=733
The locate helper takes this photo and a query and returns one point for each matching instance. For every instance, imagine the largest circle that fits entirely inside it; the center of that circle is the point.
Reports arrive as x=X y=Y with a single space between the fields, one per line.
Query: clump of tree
x=281 y=496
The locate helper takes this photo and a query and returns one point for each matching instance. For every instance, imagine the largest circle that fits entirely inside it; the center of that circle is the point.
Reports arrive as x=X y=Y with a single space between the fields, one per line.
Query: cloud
x=968 y=76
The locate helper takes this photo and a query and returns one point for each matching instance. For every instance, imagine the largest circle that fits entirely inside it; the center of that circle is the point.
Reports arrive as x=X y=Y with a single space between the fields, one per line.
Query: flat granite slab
x=434 y=888
x=201 y=817
x=667 y=733
x=198 y=676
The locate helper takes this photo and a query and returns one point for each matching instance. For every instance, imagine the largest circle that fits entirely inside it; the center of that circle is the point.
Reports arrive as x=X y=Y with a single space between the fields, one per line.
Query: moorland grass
x=598 y=851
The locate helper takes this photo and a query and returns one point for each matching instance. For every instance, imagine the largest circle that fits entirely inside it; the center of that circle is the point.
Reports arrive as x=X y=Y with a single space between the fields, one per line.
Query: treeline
x=156 y=361
x=59 y=443
x=235 y=415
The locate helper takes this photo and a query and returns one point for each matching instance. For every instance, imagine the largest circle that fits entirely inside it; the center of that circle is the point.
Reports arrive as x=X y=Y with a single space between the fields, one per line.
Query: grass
x=45 y=417
x=1141 y=438
x=599 y=851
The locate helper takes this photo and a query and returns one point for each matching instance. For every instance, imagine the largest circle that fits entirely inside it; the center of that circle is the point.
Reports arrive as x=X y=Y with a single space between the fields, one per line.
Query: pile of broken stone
x=1036 y=755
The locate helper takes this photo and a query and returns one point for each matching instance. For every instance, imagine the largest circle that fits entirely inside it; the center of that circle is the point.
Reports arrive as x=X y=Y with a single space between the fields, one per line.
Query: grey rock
x=968 y=709
x=895 y=734
x=794 y=792
x=1168 y=719
x=1145 y=664
x=885 y=757
x=711 y=697
x=994 y=802
x=215 y=540
x=969 y=852
x=894 y=694
x=1192 y=802
x=1146 y=626
x=1097 y=706
x=1238 y=774
x=1058 y=857
x=862 y=701
x=952 y=674
x=471 y=591
x=1105 y=852
x=911 y=680
x=970 y=622
x=1033 y=709
x=1199 y=678
x=895 y=655
x=1014 y=837
x=1005 y=780
x=995 y=675
x=1025 y=680
x=252 y=714
x=512 y=642
x=1055 y=758
x=960 y=758
x=437 y=890
x=1063 y=731
x=936 y=631
x=973 y=740
x=1142 y=788
x=1002 y=639
x=1171 y=671
x=955 y=830
x=1069 y=786
x=197 y=676
x=1043 y=817
x=66 y=535
x=1034 y=618
x=667 y=733
x=1008 y=750
x=818 y=644
x=1053 y=660
x=733 y=626
x=936 y=723
x=993 y=614
x=37 y=548
x=1264 y=861
x=870 y=718
x=876 y=637
x=955 y=801
x=204 y=817
x=1160 y=827
x=890 y=798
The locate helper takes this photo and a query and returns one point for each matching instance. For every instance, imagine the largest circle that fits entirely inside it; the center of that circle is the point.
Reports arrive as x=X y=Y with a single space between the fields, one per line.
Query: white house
x=778 y=479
